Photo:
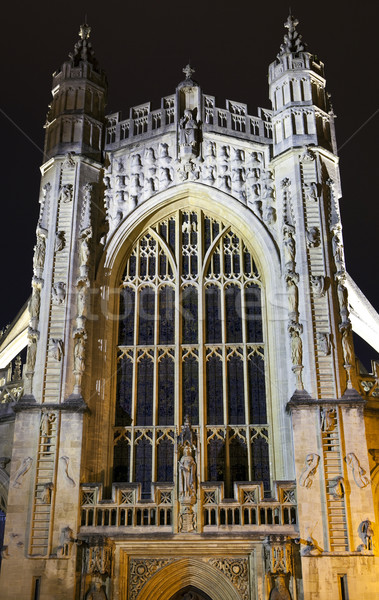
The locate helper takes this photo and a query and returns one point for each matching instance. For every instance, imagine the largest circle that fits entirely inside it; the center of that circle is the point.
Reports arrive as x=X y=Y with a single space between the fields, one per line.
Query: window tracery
x=191 y=343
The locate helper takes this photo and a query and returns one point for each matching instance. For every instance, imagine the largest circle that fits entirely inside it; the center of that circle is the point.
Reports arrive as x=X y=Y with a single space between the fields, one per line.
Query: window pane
x=143 y=467
x=166 y=391
x=189 y=315
x=124 y=392
x=213 y=325
x=233 y=314
x=121 y=462
x=215 y=414
x=253 y=314
x=236 y=402
x=216 y=460
x=257 y=391
x=165 y=462
x=191 y=389
x=145 y=389
x=238 y=462
x=127 y=300
x=166 y=315
x=260 y=461
x=146 y=316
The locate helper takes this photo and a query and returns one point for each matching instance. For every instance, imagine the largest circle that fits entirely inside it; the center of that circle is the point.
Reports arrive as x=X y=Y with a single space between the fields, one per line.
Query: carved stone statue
x=289 y=248
x=313 y=237
x=32 y=351
x=46 y=421
x=96 y=591
x=296 y=349
x=58 y=292
x=324 y=343
x=337 y=251
x=359 y=473
x=293 y=298
x=79 y=354
x=46 y=492
x=311 y=191
x=336 y=488
x=311 y=464
x=60 y=241
x=280 y=591
x=327 y=419
x=65 y=194
x=318 y=285
x=347 y=348
x=21 y=472
x=35 y=303
x=188 y=130
x=366 y=533
x=57 y=349
x=187 y=473
x=343 y=301
x=39 y=253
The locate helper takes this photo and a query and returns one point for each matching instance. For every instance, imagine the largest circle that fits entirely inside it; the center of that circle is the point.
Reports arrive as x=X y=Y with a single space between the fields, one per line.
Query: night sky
x=143 y=47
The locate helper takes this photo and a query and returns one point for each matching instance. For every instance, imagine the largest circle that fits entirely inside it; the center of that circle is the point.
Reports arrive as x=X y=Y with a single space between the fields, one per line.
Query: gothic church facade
x=190 y=422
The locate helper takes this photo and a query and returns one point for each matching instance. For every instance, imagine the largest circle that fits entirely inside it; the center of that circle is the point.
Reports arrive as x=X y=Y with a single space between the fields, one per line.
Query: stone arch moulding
x=214 y=201
x=185 y=572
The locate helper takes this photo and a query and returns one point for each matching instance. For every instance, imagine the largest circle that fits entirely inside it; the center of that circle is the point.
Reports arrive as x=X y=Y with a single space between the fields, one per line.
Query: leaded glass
x=191 y=343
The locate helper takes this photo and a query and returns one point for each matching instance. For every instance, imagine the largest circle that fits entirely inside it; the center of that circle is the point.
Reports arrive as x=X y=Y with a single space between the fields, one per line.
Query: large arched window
x=191 y=344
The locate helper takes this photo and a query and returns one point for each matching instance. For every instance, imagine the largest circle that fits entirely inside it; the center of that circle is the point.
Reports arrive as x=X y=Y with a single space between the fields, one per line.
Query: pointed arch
x=189 y=572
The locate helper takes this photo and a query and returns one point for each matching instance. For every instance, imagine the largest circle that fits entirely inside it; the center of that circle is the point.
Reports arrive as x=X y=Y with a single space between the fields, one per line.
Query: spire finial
x=292 y=39
x=85 y=30
x=188 y=71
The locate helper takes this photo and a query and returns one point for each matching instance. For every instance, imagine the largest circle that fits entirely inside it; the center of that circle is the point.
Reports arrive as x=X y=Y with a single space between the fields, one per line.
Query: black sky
x=143 y=48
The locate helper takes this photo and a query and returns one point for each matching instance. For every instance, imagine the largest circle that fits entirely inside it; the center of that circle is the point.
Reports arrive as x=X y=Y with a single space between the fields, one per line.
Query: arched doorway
x=190 y=593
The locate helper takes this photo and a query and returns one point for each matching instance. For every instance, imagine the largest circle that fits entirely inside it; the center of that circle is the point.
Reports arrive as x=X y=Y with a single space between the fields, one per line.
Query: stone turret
x=302 y=111
x=75 y=120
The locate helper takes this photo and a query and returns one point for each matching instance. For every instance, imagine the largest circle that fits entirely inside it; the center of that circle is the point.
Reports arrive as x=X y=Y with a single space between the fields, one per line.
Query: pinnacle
x=83 y=50
x=292 y=39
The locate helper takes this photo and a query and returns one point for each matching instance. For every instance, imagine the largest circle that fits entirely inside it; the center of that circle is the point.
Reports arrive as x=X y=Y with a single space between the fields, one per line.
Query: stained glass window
x=191 y=343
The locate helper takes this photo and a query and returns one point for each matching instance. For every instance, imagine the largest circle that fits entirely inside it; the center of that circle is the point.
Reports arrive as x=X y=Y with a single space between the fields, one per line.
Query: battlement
x=145 y=123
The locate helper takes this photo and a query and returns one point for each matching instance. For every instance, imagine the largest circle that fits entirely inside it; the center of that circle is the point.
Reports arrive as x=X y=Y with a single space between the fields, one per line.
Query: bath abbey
x=182 y=413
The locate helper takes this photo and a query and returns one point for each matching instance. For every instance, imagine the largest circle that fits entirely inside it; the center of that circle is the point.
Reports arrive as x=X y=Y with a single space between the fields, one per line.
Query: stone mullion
x=201 y=342
x=155 y=378
x=135 y=360
x=224 y=361
x=245 y=369
x=178 y=410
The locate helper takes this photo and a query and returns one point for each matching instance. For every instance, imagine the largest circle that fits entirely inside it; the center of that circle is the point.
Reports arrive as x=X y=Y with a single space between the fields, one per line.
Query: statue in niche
x=293 y=298
x=224 y=153
x=224 y=178
x=238 y=183
x=58 y=293
x=84 y=249
x=239 y=155
x=318 y=285
x=187 y=473
x=347 y=348
x=311 y=191
x=119 y=164
x=296 y=349
x=149 y=156
x=188 y=130
x=46 y=492
x=79 y=353
x=343 y=300
x=269 y=215
x=210 y=151
x=47 y=419
x=57 y=349
x=327 y=420
x=135 y=186
x=336 y=488
x=69 y=162
x=66 y=542
x=313 y=237
x=96 y=591
x=21 y=472
x=252 y=176
x=39 y=252
x=209 y=174
x=366 y=533
x=324 y=343
x=311 y=463
x=280 y=591
x=60 y=241
x=337 y=251
x=32 y=351
x=82 y=300
x=65 y=194
x=164 y=157
x=359 y=473
x=135 y=163
x=35 y=303
x=289 y=247
x=165 y=178
x=255 y=160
